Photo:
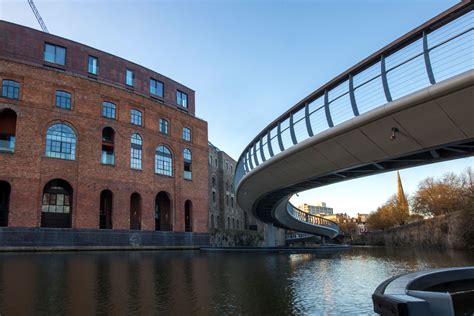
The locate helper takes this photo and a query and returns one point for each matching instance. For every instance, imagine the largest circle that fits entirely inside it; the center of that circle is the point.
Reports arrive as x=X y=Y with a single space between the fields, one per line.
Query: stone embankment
x=236 y=238
x=450 y=231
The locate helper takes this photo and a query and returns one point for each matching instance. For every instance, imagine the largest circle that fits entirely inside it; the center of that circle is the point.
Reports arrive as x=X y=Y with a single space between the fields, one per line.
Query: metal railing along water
x=440 y=49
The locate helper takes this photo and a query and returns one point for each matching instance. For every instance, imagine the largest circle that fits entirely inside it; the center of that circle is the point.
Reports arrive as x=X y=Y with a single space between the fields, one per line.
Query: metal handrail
x=298 y=214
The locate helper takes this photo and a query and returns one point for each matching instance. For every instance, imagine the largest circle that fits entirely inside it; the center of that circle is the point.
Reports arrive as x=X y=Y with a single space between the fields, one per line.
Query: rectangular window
x=10 y=89
x=92 y=65
x=63 y=100
x=164 y=126
x=108 y=110
x=129 y=77
x=182 y=99
x=136 y=117
x=54 y=54
x=156 y=87
x=187 y=134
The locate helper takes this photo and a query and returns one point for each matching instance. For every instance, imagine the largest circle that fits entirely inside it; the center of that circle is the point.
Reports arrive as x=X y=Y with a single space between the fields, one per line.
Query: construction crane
x=38 y=16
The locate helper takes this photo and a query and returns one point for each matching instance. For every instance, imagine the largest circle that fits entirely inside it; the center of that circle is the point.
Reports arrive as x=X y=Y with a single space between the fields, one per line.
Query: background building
x=223 y=210
x=318 y=209
x=90 y=140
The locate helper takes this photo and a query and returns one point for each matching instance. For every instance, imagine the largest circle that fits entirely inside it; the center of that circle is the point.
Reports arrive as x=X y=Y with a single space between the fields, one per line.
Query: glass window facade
x=156 y=88
x=186 y=134
x=163 y=161
x=129 y=77
x=136 y=152
x=61 y=142
x=63 y=100
x=54 y=54
x=136 y=117
x=93 y=65
x=10 y=89
x=182 y=99
x=164 y=126
x=109 y=110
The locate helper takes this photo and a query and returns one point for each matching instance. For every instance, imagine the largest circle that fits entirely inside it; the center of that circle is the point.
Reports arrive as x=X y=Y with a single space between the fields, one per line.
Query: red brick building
x=91 y=141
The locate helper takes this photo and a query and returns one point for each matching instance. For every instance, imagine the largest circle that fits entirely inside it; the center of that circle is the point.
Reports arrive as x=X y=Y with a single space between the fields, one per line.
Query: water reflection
x=124 y=283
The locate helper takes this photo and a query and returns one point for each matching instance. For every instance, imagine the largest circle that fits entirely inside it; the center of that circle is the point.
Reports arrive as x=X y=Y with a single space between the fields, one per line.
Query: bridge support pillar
x=274 y=237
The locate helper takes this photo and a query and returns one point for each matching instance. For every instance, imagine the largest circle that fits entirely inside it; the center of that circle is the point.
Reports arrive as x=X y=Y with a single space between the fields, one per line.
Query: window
x=187 y=164
x=54 y=54
x=136 y=117
x=92 y=65
x=182 y=99
x=163 y=161
x=10 y=89
x=186 y=134
x=108 y=143
x=108 y=110
x=210 y=160
x=61 y=142
x=7 y=131
x=63 y=100
x=164 y=126
x=136 y=152
x=213 y=182
x=214 y=197
x=129 y=78
x=156 y=87
x=232 y=201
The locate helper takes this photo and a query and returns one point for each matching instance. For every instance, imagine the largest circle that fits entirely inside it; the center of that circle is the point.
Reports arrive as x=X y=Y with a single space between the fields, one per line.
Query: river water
x=199 y=283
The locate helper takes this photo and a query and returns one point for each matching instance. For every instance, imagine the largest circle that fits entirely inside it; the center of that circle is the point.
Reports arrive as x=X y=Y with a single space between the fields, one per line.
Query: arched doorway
x=7 y=130
x=105 y=217
x=135 y=211
x=188 y=207
x=163 y=212
x=56 y=207
x=5 y=190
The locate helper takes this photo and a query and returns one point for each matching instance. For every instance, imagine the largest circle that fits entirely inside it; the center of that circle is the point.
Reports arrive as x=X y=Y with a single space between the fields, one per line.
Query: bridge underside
x=431 y=125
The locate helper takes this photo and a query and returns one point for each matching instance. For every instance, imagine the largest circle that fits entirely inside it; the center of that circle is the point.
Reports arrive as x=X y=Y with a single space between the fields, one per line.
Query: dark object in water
x=445 y=292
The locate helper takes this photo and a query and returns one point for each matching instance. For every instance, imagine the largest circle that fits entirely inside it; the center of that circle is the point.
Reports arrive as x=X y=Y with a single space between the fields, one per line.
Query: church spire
x=402 y=202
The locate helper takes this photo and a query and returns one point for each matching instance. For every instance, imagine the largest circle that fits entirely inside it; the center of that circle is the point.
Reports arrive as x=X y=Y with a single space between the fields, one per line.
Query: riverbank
x=449 y=231
x=319 y=248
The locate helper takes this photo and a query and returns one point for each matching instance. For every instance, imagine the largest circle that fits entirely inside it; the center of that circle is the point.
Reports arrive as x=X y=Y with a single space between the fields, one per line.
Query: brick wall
x=27 y=170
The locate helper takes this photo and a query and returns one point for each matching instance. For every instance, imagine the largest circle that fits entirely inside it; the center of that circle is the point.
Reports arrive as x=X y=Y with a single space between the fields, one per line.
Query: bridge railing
x=439 y=49
x=310 y=218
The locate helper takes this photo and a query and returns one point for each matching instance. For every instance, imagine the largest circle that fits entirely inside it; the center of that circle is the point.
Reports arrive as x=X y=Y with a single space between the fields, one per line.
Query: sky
x=249 y=61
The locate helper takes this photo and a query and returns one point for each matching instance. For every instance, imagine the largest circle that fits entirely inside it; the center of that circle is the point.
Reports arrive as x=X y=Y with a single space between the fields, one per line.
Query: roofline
x=90 y=47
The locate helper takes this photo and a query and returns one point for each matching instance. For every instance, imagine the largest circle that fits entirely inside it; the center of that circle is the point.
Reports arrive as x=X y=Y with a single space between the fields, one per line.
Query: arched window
x=228 y=222
x=7 y=130
x=164 y=126
x=136 y=152
x=135 y=211
x=5 y=190
x=57 y=204
x=186 y=134
x=136 y=117
x=227 y=185
x=212 y=220
x=105 y=217
x=108 y=143
x=188 y=223
x=213 y=181
x=10 y=89
x=188 y=175
x=63 y=100
x=61 y=142
x=163 y=161
x=109 y=110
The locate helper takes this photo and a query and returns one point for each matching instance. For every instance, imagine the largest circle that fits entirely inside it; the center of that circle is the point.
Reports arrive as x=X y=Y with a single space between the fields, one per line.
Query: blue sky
x=248 y=61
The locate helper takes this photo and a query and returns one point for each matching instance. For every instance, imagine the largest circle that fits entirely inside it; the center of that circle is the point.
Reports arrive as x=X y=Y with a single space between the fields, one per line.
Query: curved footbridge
x=409 y=104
